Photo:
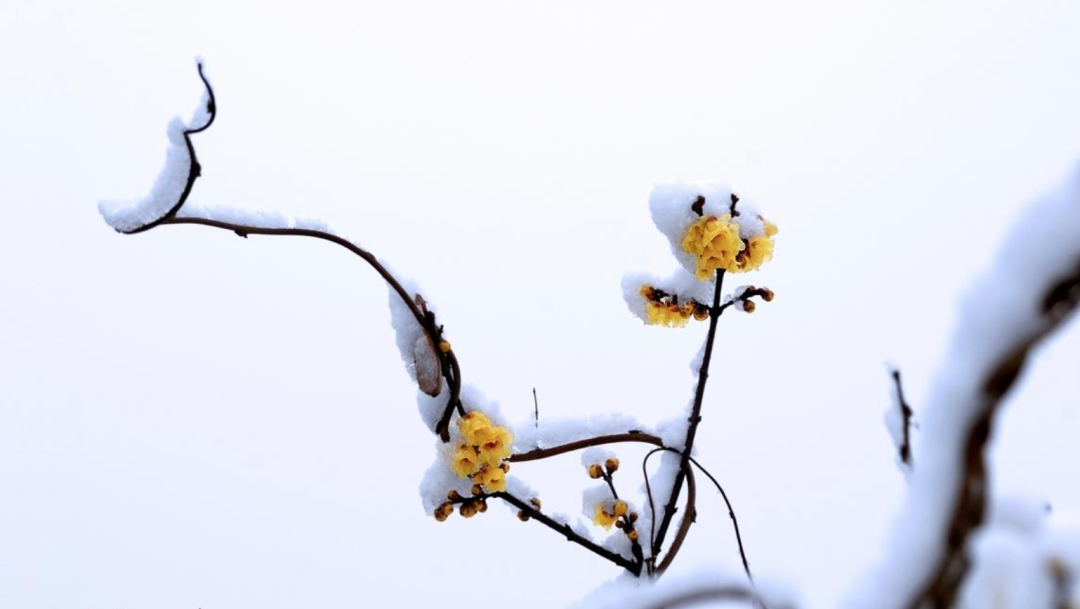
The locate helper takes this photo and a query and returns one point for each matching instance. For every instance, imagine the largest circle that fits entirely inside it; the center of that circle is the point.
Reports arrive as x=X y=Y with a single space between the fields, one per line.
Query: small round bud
x=505 y=466
x=748 y=306
x=701 y=313
x=467 y=510
x=767 y=295
x=536 y=502
x=612 y=465
x=481 y=506
x=595 y=471
x=618 y=524
x=522 y=516
x=633 y=516
x=444 y=346
x=453 y=496
x=632 y=534
x=477 y=489
x=620 y=508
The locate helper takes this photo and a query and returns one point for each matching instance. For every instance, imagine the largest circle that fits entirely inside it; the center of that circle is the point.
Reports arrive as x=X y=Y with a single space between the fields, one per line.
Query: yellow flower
x=491 y=478
x=475 y=426
x=716 y=242
x=603 y=518
x=466 y=461
x=770 y=228
x=620 y=508
x=496 y=446
x=758 y=251
x=672 y=316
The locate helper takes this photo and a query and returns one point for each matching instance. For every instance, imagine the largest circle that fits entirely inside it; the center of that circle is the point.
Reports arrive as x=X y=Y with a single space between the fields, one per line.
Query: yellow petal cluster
x=716 y=243
x=603 y=517
x=482 y=452
x=662 y=309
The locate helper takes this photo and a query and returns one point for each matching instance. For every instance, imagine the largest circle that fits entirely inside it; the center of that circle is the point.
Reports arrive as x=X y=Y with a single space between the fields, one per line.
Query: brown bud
x=522 y=516
x=612 y=465
x=536 y=502
x=633 y=516
x=444 y=346
x=701 y=312
x=467 y=510
x=618 y=524
x=481 y=506
x=767 y=295
x=632 y=534
x=748 y=306
x=595 y=471
x=453 y=496
x=477 y=490
x=505 y=466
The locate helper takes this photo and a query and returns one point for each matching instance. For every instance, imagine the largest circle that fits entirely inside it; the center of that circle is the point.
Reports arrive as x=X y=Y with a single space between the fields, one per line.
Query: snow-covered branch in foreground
x=1031 y=288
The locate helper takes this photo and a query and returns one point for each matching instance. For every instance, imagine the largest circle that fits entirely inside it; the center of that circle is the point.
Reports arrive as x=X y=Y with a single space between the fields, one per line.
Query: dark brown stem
x=689 y=517
x=734 y=520
x=564 y=528
x=905 y=413
x=543 y=453
x=695 y=418
x=710 y=593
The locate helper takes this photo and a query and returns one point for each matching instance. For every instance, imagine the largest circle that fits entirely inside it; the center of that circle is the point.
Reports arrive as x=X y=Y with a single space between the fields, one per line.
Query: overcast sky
x=188 y=419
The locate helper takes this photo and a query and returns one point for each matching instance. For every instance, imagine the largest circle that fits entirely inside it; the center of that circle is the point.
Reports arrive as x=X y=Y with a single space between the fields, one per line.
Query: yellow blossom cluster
x=663 y=309
x=716 y=243
x=606 y=516
x=482 y=452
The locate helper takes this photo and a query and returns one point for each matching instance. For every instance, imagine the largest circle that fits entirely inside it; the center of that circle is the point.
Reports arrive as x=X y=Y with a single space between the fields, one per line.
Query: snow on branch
x=1031 y=288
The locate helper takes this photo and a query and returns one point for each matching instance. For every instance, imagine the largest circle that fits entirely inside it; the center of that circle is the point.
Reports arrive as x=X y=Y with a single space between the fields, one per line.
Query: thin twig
x=695 y=416
x=905 y=413
x=734 y=520
x=544 y=453
x=688 y=518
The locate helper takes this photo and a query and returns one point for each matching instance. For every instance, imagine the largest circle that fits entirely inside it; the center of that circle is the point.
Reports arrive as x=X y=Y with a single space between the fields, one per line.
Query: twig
x=689 y=518
x=544 y=453
x=450 y=367
x=536 y=410
x=905 y=414
x=711 y=593
x=695 y=416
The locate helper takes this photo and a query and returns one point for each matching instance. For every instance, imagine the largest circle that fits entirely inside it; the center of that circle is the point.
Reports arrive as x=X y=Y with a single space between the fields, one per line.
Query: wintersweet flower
x=466 y=461
x=497 y=446
x=492 y=478
x=475 y=426
x=604 y=518
x=715 y=242
x=758 y=251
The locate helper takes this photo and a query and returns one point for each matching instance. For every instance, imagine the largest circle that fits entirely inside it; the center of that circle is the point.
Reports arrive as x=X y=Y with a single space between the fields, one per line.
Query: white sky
x=188 y=419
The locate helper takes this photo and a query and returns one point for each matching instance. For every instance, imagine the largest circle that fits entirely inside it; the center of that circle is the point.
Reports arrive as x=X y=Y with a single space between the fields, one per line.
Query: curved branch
x=196 y=169
x=734 y=520
x=689 y=517
x=451 y=370
x=710 y=593
x=543 y=453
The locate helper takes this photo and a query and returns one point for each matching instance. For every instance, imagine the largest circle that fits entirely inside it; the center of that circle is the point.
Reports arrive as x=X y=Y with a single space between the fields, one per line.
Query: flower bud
x=453 y=496
x=505 y=466
x=467 y=510
x=595 y=471
x=536 y=502
x=632 y=534
x=481 y=506
x=748 y=306
x=620 y=508
x=444 y=346
x=522 y=516
x=767 y=295
x=612 y=465
x=477 y=489
x=633 y=516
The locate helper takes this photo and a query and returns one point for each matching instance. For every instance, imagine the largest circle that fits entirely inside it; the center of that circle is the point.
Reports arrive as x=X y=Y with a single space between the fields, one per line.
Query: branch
x=543 y=453
x=689 y=518
x=450 y=368
x=695 y=417
x=905 y=419
x=532 y=512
